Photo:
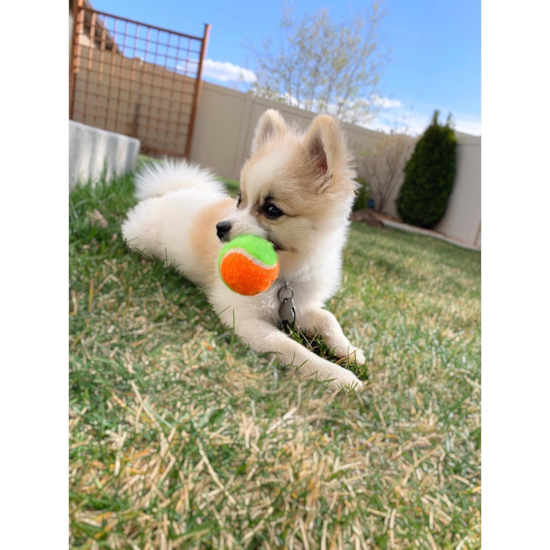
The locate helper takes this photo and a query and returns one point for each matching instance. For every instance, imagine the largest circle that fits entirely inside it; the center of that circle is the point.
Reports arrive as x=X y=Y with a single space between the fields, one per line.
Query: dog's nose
x=223 y=228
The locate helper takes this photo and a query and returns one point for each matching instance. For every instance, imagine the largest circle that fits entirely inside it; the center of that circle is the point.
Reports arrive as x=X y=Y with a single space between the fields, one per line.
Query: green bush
x=362 y=197
x=429 y=176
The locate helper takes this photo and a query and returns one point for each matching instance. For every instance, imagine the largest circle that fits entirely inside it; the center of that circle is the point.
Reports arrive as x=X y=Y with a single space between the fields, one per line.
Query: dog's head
x=295 y=189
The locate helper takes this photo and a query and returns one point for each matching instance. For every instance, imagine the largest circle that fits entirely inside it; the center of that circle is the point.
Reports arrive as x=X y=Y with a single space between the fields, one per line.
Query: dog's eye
x=239 y=200
x=271 y=211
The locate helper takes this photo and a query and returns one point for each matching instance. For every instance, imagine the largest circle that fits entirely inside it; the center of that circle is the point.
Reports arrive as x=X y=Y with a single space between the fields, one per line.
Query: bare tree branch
x=322 y=65
x=382 y=166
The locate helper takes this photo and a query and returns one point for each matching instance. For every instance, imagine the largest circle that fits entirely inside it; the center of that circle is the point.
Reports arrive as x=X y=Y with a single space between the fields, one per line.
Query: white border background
x=33 y=244
x=516 y=275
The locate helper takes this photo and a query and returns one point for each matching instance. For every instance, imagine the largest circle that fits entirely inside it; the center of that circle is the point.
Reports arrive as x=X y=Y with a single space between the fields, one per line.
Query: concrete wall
x=92 y=150
x=223 y=135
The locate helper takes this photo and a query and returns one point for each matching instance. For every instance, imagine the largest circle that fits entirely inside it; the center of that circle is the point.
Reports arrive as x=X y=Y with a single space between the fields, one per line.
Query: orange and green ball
x=248 y=265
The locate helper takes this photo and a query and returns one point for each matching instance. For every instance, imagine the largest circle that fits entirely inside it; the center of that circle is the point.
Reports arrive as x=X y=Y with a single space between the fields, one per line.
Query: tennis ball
x=248 y=265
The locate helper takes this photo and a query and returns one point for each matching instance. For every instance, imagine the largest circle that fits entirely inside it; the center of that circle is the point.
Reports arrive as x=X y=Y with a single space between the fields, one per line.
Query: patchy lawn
x=182 y=437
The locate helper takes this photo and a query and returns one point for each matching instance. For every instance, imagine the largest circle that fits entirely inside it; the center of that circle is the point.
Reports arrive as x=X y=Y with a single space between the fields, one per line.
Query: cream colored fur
x=309 y=178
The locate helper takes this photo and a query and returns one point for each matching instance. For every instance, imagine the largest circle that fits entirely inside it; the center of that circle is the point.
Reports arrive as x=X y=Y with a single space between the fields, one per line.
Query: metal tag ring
x=282 y=300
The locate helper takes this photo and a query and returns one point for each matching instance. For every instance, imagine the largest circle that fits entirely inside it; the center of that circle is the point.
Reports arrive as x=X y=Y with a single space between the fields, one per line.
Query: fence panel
x=219 y=123
x=462 y=219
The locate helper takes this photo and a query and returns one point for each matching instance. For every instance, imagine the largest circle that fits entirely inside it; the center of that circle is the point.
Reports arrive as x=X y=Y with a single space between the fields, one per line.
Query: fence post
x=243 y=132
x=72 y=64
x=196 y=95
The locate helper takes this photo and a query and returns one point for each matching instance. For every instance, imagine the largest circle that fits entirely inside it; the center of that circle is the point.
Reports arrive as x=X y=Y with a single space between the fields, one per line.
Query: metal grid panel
x=135 y=79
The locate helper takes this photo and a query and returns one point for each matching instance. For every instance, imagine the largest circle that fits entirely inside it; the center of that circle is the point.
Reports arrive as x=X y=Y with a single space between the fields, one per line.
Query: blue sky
x=435 y=48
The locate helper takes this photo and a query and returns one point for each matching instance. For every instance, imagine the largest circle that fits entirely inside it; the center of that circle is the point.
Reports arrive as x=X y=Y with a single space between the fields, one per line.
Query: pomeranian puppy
x=296 y=191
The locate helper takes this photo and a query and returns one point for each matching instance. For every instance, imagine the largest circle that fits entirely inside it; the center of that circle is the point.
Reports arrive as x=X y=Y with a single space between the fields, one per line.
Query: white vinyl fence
x=223 y=135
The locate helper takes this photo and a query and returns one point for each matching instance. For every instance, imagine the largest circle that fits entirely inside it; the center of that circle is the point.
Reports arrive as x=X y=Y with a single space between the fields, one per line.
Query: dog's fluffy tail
x=157 y=180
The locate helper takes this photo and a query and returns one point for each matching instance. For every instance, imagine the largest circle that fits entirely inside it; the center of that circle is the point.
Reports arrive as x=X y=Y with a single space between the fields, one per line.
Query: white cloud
x=385 y=102
x=414 y=122
x=402 y=121
x=394 y=117
x=227 y=72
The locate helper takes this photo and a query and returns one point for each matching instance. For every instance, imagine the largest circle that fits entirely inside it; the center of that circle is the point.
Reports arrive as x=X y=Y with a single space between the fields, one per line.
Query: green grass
x=182 y=437
x=232 y=186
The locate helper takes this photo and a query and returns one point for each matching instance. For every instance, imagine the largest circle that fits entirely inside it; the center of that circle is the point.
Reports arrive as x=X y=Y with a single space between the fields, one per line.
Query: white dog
x=296 y=191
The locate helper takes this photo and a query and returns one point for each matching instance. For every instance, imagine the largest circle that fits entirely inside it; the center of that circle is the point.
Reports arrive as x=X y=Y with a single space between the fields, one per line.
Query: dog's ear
x=326 y=149
x=271 y=125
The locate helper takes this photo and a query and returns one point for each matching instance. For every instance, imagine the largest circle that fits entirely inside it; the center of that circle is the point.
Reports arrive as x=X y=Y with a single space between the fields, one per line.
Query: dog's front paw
x=357 y=355
x=349 y=381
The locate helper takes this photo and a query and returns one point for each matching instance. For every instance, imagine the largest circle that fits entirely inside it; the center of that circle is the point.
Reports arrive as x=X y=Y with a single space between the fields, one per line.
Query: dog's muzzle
x=222 y=229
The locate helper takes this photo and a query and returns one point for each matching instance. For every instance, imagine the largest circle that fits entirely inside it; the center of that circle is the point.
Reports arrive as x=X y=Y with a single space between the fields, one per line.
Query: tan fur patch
x=204 y=241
